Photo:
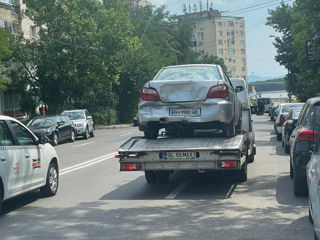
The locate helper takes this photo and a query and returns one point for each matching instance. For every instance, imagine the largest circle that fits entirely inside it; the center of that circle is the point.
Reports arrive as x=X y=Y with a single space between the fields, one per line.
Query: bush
x=106 y=116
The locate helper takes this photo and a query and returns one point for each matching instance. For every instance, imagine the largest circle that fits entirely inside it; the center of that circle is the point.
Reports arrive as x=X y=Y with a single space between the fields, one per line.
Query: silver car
x=188 y=97
x=82 y=121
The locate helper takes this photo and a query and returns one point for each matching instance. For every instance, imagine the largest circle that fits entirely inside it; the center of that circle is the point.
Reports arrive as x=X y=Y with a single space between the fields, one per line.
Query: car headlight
x=79 y=125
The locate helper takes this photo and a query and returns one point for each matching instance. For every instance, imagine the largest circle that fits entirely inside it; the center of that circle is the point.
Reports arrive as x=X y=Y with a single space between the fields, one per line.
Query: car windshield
x=189 y=73
x=76 y=115
x=42 y=122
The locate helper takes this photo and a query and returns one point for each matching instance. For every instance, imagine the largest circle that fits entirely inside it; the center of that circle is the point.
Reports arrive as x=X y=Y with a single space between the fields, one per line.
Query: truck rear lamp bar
x=130 y=166
x=227 y=164
x=225 y=152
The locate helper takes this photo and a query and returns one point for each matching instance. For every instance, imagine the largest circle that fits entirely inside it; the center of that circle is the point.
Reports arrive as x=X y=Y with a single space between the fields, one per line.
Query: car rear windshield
x=189 y=73
x=296 y=113
x=287 y=108
x=75 y=115
x=42 y=122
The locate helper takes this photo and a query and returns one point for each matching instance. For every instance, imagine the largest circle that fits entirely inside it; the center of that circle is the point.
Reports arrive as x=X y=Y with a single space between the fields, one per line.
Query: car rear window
x=296 y=113
x=287 y=108
x=189 y=73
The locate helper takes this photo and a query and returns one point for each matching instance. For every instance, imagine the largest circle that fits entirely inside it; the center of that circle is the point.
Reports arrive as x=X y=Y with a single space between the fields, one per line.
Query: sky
x=260 y=50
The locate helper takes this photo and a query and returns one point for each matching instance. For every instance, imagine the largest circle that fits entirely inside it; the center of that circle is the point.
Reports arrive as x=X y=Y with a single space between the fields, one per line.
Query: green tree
x=5 y=53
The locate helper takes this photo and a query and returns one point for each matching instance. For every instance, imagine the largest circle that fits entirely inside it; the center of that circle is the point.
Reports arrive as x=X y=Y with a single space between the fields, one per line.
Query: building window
x=242 y=33
x=243 y=51
x=200 y=34
x=232 y=69
x=231 y=51
x=33 y=31
x=2 y=25
x=243 y=61
x=200 y=26
x=220 y=41
x=242 y=43
x=201 y=52
x=220 y=51
x=200 y=44
x=230 y=24
x=11 y=99
x=219 y=24
x=234 y=60
x=231 y=41
x=230 y=33
x=243 y=69
x=219 y=33
x=194 y=43
x=241 y=24
x=230 y=60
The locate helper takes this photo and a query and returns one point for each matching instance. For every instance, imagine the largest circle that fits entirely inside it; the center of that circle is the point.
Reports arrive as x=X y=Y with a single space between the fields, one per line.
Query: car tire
x=55 y=139
x=299 y=186
x=279 y=137
x=1 y=199
x=250 y=158
x=73 y=136
x=163 y=176
x=92 y=134
x=242 y=175
x=86 y=134
x=151 y=132
x=52 y=181
x=151 y=176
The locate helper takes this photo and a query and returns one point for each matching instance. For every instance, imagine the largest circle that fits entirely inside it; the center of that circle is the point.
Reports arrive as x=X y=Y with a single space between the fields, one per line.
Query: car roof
x=75 y=110
x=314 y=100
x=6 y=118
x=192 y=65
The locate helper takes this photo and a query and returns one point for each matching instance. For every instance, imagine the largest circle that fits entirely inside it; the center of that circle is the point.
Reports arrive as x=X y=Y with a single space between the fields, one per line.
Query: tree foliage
x=297 y=23
x=5 y=54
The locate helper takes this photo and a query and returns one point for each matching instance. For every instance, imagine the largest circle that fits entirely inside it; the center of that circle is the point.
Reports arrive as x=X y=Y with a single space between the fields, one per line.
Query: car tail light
x=219 y=91
x=130 y=166
x=282 y=120
x=149 y=94
x=308 y=135
x=227 y=164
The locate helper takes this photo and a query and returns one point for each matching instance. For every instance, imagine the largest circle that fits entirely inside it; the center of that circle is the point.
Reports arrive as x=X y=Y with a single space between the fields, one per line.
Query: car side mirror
x=60 y=123
x=44 y=140
x=89 y=117
x=239 y=89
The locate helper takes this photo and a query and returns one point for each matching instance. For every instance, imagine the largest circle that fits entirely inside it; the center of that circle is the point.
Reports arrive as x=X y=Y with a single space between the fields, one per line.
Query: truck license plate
x=179 y=155
x=186 y=112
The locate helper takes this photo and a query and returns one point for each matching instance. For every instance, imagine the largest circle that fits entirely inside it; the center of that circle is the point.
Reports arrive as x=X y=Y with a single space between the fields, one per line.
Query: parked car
x=302 y=142
x=27 y=163
x=281 y=113
x=272 y=110
x=82 y=121
x=313 y=180
x=288 y=126
x=189 y=97
x=57 y=128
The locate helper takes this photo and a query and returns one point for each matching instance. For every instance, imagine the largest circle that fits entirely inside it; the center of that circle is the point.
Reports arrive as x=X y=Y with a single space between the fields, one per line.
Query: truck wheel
x=52 y=182
x=299 y=186
x=151 y=176
x=151 y=132
x=163 y=176
x=242 y=175
x=86 y=134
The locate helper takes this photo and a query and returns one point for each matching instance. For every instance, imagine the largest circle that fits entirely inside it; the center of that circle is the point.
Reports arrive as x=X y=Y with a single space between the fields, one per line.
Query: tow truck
x=203 y=151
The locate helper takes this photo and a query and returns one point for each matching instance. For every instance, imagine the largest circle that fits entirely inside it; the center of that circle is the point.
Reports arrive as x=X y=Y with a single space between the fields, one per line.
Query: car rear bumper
x=211 y=111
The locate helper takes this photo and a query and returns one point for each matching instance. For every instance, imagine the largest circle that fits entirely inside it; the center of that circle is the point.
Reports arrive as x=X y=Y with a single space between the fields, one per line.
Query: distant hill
x=256 y=78
x=268 y=85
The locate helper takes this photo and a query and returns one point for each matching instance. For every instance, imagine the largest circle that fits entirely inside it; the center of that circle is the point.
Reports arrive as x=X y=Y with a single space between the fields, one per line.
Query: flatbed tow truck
x=201 y=152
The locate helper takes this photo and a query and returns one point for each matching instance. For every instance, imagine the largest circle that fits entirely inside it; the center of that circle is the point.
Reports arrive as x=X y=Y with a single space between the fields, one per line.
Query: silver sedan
x=188 y=97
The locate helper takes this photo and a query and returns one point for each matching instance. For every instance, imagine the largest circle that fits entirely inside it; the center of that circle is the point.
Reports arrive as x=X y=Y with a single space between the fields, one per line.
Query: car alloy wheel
x=55 y=139
x=73 y=136
x=53 y=179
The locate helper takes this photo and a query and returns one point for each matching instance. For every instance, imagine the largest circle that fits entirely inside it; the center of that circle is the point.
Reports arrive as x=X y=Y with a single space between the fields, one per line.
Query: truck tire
x=151 y=176
x=299 y=186
x=151 y=132
x=52 y=182
x=163 y=176
x=242 y=175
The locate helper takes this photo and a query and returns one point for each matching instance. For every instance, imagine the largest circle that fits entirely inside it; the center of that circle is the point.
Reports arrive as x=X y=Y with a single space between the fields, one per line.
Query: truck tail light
x=227 y=164
x=282 y=120
x=308 y=135
x=219 y=91
x=149 y=94
x=130 y=166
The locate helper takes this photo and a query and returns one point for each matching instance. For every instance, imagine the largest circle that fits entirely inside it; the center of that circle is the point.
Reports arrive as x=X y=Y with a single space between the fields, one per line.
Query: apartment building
x=11 y=18
x=139 y=3
x=221 y=36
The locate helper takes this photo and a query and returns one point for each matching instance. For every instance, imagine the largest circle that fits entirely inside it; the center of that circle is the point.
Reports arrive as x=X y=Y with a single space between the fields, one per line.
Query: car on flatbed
x=27 y=163
x=188 y=97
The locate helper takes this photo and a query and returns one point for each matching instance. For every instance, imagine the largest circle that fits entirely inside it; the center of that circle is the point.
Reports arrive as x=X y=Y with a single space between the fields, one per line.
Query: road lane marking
x=87 y=163
x=127 y=134
x=80 y=145
x=178 y=190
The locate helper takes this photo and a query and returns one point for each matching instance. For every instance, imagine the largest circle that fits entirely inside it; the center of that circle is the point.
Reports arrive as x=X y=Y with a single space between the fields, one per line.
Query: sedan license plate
x=185 y=112
x=179 y=155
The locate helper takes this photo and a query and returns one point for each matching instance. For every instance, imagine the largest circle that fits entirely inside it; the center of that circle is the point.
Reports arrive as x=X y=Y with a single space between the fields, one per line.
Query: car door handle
x=26 y=155
x=2 y=159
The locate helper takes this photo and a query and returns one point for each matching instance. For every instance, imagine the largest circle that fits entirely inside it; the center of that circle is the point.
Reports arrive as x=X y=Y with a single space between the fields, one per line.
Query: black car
x=58 y=128
x=288 y=126
x=302 y=142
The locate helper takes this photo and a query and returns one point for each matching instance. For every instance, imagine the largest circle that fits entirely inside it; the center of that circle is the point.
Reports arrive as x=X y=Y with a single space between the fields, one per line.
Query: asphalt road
x=96 y=201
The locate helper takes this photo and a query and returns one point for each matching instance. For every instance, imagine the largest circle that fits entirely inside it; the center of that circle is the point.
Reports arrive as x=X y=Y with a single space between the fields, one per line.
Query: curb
x=100 y=127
